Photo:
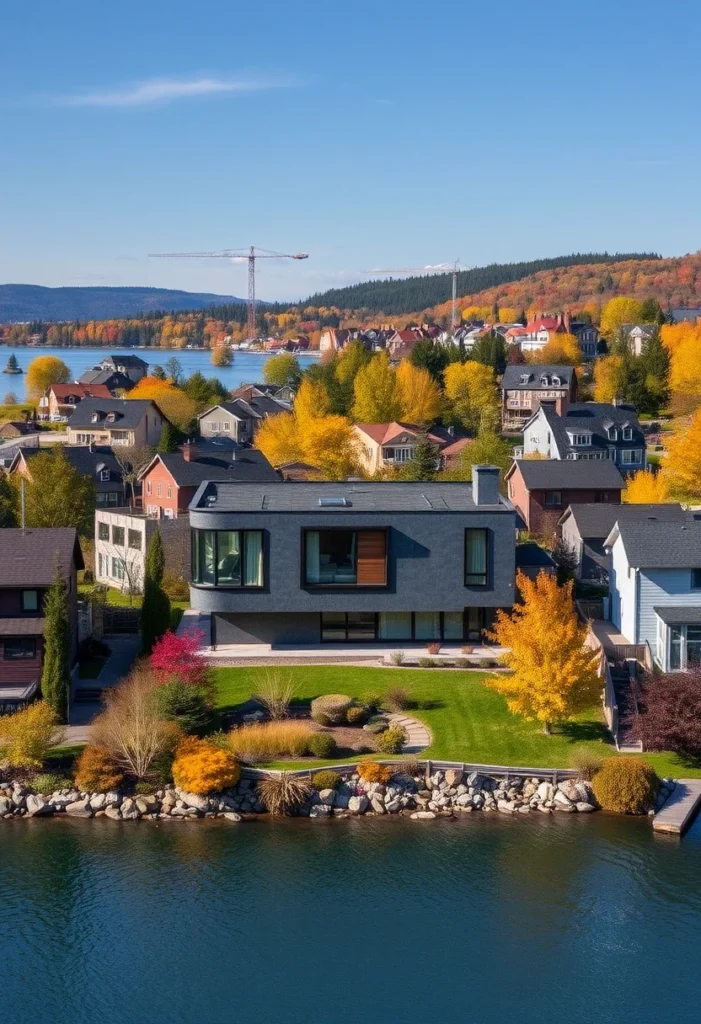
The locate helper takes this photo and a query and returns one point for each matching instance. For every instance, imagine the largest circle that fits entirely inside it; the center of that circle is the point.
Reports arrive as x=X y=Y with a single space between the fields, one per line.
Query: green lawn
x=469 y=721
x=117 y=599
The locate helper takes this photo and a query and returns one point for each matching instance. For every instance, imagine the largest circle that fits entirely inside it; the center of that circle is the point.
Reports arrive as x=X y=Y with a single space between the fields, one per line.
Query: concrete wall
x=426 y=563
x=282 y=628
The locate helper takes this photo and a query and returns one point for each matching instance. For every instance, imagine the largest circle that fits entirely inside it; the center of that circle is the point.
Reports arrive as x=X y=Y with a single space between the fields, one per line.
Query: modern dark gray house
x=309 y=563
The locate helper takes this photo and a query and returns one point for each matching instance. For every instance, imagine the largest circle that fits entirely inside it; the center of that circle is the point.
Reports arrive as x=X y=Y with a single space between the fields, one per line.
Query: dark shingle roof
x=563 y=474
x=598 y=520
x=28 y=557
x=661 y=545
x=675 y=615
x=361 y=497
x=135 y=361
x=512 y=376
x=22 y=627
x=249 y=466
x=90 y=463
x=593 y=417
x=110 y=378
x=129 y=413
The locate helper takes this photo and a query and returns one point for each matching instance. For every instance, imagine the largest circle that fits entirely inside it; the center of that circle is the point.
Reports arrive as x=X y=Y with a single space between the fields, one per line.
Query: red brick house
x=27 y=567
x=169 y=481
x=541 y=489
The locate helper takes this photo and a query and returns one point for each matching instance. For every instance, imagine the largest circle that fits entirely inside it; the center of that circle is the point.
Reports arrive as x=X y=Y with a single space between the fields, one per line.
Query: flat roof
x=389 y=496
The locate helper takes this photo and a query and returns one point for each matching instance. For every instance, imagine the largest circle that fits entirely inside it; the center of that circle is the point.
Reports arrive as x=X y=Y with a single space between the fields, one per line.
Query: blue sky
x=369 y=134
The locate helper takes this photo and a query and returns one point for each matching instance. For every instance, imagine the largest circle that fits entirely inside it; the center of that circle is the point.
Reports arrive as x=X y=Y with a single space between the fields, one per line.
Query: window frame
x=487 y=558
x=552 y=504
x=30 y=590
x=696 y=579
x=343 y=586
x=131 y=535
x=103 y=528
x=216 y=585
x=28 y=640
x=115 y=532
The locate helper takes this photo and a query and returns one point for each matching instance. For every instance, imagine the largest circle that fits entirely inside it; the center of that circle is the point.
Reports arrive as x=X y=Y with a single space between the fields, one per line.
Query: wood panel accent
x=372 y=558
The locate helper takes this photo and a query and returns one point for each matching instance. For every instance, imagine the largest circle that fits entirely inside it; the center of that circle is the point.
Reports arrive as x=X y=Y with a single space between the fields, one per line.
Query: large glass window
x=476 y=558
x=452 y=625
x=394 y=626
x=118 y=536
x=134 y=537
x=675 y=650
x=427 y=625
x=693 y=647
x=331 y=556
x=348 y=626
x=227 y=558
x=30 y=600
x=17 y=649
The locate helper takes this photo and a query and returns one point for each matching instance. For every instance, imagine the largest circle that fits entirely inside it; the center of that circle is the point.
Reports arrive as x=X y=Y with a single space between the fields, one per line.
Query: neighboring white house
x=655 y=588
x=120 y=548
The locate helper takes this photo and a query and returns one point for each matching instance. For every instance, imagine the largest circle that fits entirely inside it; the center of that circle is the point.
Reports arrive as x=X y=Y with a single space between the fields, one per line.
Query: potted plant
x=433 y=647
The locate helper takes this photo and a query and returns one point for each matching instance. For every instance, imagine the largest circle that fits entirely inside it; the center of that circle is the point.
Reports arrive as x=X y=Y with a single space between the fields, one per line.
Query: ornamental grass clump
x=96 y=772
x=332 y=707
x=284 y=793
x=266 y=741
x=627 y=785
x=202 y=767
x=396 y=699
x=586 y=762
x=27 y=736
x=372 y=771
x=276 y=693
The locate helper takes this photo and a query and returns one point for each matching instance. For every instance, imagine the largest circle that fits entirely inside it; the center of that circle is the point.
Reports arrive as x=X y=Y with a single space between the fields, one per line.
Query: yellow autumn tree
x=329 y=443
x=175 y=405
x=376 y=397
x=553 y=675
x=646 y=487
x=617 y=312
x=608 y=376
x=420 y=396
x=44 y=371
x=278 y=437
x=561 y=350
x=682 y=464
x=471 y=389
x=684 y=344
x=311 y=401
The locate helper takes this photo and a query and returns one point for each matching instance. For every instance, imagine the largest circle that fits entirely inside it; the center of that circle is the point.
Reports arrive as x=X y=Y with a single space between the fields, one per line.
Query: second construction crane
x=453 y=267
x=251 y=254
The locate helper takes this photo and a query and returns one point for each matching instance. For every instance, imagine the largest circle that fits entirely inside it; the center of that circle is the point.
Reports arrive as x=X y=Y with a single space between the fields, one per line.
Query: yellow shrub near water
x=627 y=785
x=96 y=771
x=26 y=737
x=201 y=767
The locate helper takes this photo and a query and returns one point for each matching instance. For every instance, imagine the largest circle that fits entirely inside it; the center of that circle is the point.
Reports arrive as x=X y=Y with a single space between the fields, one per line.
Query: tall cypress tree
x=423 y=465
x=169 y=439
x=56 y=669
x=155 y=611
x=655 y=362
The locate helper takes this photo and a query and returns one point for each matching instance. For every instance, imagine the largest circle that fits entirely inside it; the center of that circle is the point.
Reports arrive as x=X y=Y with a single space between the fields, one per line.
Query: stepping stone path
x=418 y=736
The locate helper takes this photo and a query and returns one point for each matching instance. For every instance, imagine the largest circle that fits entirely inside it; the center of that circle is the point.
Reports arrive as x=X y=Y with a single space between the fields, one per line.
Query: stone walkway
x=418 y=735
x=125 y=649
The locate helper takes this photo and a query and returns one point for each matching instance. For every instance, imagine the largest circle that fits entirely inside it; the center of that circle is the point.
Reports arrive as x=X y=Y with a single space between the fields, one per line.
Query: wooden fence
x=497 y=770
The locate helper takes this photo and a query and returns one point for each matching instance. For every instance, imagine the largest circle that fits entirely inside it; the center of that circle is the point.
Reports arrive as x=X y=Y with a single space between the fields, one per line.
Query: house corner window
x=476 y=557
x=227 y=558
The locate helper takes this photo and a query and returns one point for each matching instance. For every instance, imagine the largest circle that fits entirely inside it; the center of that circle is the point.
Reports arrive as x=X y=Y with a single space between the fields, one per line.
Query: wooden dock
x=678 y=812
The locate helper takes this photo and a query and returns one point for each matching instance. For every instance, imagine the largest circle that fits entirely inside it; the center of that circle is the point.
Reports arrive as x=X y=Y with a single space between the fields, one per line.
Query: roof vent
x=334 y=502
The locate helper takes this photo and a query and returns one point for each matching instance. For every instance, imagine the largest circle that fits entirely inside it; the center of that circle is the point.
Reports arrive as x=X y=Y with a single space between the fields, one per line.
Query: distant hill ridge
x=22 y=302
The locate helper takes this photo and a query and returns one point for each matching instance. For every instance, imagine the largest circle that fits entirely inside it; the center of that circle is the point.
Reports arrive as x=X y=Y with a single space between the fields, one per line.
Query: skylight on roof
x=333 y=502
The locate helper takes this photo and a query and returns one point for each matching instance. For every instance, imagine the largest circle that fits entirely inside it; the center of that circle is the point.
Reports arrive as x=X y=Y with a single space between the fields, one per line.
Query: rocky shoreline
x=444 y=793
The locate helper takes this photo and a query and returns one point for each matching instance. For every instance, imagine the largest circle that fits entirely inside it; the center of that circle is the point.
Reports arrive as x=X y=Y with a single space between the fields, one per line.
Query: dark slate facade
x=425 y=526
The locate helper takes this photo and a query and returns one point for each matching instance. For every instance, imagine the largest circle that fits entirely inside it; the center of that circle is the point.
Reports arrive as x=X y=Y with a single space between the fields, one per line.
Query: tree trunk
x=546 y=728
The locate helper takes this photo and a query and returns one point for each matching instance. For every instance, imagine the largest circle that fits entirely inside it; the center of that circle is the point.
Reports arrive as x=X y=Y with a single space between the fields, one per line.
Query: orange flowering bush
x=97 y=772
x=201 y=767
x=372 y=771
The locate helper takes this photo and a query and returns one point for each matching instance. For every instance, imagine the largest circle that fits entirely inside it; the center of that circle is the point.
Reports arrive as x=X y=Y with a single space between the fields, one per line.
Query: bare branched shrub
x=130 y=728
x=283 y=793
x=276 y=693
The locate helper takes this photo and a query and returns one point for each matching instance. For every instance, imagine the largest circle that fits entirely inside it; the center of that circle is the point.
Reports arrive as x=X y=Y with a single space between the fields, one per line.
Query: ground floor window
x=679 y=644
x=20 y=648
x=118 y=568
x=449 y=627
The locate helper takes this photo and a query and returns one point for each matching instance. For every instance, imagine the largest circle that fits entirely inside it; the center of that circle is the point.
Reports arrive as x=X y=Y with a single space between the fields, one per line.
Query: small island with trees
x=12 y=365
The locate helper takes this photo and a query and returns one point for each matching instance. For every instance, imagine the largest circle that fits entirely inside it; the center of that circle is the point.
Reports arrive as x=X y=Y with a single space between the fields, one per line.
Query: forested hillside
x=33 y=302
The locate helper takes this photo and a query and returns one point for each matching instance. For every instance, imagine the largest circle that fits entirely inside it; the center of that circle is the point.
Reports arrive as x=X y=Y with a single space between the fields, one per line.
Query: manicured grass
x=469 y=721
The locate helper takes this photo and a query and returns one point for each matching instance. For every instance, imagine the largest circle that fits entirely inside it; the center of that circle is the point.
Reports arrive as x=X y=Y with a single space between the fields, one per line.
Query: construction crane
x=238 y=256
x=452 y=267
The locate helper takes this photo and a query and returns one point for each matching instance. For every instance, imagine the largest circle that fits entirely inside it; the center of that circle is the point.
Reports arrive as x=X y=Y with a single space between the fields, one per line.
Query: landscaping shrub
x=321 y=744
x=276 y=693
x=267 y=741
x=463 y=663
x=409 y=768
x=670 y=716
x=320 y=718
x=427 y=663
x=392 y=740
x=177 y=588
x=370 y=700
x=333 y=705
x=627 y=785
x=143 y=789
x=397 y=657
x=283 y=793
x=201 y=767
x=586 y=762
x=467 y=649
x=372 y=771
x=49 y=782
x=356 y=715
x=326 y=780
x=186 y=705
x=397 y=699
x=487 y=663
x=27 y=736
x=174 y=658
x=96 y=772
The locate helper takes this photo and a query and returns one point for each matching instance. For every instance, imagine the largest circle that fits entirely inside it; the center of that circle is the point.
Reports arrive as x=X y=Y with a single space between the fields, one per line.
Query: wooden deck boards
x=678 y=812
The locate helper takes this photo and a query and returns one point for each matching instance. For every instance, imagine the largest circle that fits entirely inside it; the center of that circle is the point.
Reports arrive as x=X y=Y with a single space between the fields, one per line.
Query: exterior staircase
x=625 y=684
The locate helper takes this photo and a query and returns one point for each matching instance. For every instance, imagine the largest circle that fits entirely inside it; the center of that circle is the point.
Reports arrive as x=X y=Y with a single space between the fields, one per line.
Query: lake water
x=563 y=920
x=247 y=367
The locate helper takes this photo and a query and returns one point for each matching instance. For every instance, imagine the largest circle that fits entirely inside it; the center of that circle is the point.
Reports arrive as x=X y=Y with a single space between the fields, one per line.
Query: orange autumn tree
x=175 y=405
x=646 y=488
x=553 y=675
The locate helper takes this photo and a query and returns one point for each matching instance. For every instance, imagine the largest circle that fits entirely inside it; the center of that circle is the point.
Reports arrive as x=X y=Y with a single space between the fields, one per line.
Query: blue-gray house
x=308 y=563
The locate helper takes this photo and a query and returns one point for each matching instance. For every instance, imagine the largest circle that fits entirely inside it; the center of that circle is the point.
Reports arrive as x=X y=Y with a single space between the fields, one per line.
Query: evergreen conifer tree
x=655 y=364
x=8 y=503
x=169 y=439
x=155 y=610
x=56 y=669
x=423 y=464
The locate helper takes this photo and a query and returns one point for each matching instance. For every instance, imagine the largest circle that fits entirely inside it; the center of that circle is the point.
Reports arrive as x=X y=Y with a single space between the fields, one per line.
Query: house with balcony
x=116 y=421
x=99 y=464
x=523 y=388
x=28 y=560
x=312 y=563
x=170 y=480
x=60 y=401
x=541 y=490
x=385 y=445
x=655 y=589
x=588 y=431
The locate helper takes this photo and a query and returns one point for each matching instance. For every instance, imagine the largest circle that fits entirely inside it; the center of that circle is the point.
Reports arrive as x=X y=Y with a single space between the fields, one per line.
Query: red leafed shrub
x=670 y=717
x=174 y=659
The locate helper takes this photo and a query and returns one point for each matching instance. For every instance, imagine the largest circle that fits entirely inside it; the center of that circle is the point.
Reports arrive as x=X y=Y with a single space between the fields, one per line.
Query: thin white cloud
x=159 y=91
